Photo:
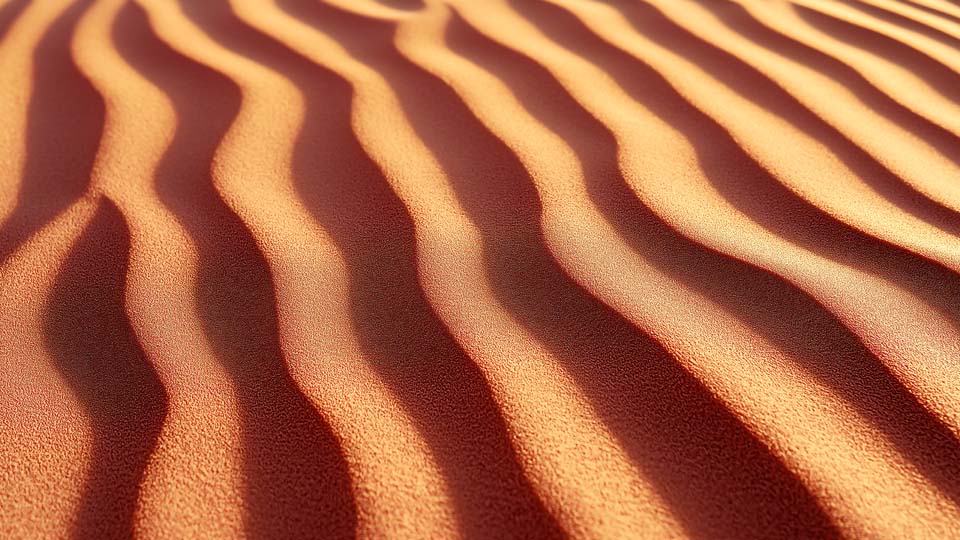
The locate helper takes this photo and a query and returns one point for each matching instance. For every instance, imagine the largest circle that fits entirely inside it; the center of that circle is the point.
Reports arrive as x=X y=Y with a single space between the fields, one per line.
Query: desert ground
x=427 y=269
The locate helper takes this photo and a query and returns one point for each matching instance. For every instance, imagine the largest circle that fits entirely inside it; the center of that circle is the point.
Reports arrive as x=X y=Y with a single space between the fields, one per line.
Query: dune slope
x=461 y=269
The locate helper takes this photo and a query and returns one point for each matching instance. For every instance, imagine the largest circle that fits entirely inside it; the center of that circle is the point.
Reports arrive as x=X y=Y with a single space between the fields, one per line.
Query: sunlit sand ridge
x=498 y=269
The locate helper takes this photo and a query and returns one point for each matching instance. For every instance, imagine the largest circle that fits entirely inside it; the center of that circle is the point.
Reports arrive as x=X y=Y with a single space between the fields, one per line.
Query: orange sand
x=485 y=269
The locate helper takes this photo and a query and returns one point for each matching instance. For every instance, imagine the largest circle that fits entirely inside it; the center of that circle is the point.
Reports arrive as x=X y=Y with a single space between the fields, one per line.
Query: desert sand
x=480 y=269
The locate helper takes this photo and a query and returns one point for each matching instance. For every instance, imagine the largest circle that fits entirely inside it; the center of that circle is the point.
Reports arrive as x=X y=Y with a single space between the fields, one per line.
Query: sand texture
x=428 y=269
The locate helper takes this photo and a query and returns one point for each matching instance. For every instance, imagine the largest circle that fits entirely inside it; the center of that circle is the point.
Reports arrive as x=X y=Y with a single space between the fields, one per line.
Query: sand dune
x=505 y=269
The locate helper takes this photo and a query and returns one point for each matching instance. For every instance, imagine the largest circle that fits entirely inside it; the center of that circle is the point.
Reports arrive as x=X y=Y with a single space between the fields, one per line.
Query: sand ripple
x=505 y=269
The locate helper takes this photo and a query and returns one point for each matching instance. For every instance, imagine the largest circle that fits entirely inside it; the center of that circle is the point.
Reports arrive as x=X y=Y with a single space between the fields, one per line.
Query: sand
x=481 y=269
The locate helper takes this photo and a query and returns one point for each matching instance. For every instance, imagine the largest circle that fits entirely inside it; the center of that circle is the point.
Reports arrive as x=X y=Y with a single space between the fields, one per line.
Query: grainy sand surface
x=480 y=269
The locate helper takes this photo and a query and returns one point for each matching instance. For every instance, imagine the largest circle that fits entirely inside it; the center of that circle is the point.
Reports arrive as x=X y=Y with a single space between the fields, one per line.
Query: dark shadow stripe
x=65 y=119
x=739 y=20
x=296 y=479
x=940 y=77
x=9 y=13
x=698 y=454
x=822 y=345
x=438 y=384
x=95 y=349
x=906 y=23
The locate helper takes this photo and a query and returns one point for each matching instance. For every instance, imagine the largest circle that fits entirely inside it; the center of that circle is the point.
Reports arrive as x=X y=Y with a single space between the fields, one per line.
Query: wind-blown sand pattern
x=480 y=269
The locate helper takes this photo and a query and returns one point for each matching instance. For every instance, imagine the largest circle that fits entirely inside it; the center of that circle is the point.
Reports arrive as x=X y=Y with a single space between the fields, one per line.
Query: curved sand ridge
x=512 y=268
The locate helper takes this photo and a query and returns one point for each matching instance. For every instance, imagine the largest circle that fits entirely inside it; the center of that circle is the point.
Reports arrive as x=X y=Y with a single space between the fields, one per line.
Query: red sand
x=486 y=269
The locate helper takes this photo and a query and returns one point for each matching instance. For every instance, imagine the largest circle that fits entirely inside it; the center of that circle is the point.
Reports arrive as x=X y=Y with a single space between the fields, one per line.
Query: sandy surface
x=485 y=269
